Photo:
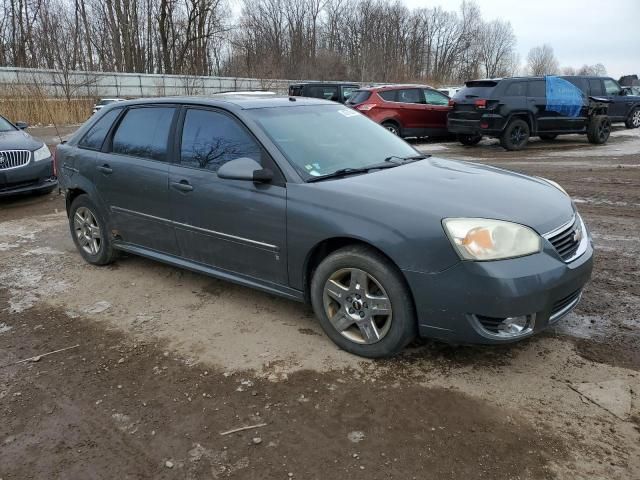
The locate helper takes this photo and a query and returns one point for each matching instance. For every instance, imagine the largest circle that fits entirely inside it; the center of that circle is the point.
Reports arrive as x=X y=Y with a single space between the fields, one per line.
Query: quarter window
x=436 y=98
x=144 y=132
x=94 y=138
x=210 y=139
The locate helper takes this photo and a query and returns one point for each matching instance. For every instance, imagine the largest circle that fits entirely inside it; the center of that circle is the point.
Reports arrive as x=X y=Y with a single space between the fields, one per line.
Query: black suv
x=336 y=92
x=513 y=109
x=624 y=106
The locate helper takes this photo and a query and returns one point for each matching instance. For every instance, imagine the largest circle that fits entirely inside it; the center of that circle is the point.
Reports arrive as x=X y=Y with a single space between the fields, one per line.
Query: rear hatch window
x=477 y=89
x=359 y=96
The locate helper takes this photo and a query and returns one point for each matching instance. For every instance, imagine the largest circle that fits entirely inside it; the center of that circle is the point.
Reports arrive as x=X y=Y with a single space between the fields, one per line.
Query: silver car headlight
x=486 y=239
x=41 y=154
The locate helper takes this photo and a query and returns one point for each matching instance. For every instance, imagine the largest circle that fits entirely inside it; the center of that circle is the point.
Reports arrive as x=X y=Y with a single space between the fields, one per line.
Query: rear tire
x=469 y=140
x=548 y=136
x=599 y=129
x=363 y=302
x=516 y=135
x=392 y=127
x=89 y=232
x=633 y=120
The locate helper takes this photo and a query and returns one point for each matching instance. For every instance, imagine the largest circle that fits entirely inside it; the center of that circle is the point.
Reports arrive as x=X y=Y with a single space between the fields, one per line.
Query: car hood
x=18 y=140
x=439 y=188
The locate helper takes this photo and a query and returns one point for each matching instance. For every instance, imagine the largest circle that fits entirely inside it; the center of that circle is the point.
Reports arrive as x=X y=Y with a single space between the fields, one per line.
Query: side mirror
x=245 y=169
x=22 y=125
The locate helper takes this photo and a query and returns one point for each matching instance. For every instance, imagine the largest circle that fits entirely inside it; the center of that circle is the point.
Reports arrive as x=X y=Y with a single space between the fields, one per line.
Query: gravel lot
x=167 y=360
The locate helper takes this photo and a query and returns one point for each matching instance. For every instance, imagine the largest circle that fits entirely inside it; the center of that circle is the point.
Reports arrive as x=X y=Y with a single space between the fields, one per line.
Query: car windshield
x=322 y=139
x=5 y=126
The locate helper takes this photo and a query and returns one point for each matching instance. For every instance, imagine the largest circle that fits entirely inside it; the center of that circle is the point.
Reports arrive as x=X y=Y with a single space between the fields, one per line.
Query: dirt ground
x=164 y=361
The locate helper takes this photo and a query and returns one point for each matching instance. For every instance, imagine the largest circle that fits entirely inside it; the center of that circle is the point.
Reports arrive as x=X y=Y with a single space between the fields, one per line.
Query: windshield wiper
x=408 y=159
x=348 y=171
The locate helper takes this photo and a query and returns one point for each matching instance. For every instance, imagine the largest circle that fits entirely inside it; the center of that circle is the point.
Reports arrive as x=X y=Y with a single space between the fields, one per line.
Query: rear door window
x=389 y=95
x=595 y=87
x=144 y=132
x=211 y=138
x=410 y=95
x=581 y=83
x=516 y=89
x=435 y=98
x=537 y=88
x=94 y=138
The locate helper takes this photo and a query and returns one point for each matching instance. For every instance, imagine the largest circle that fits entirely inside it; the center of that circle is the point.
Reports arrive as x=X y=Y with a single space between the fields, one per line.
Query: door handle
x=105 y=169
x=182 y=185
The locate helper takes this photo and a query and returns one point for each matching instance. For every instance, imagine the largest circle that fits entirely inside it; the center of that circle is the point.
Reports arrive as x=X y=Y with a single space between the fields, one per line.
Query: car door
x=234 y=225
x=132 y=177
x=437 y=109
x=619 y=104
x=413 y=112
x=545 y=121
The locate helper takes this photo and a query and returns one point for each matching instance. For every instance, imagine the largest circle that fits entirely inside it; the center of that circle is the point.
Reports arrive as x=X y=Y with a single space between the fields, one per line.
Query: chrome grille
x=567 y=240
x=14 y=159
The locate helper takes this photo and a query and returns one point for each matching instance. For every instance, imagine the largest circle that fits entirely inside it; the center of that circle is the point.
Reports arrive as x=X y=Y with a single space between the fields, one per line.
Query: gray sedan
x=25 y=163
x=310 y=200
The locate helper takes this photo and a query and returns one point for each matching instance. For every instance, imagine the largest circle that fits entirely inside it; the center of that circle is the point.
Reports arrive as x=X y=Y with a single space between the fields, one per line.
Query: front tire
x=469 y=140
x=599 y=129
x=89 y=232
x=363 y=302
x=633 y=120
x=516 y=135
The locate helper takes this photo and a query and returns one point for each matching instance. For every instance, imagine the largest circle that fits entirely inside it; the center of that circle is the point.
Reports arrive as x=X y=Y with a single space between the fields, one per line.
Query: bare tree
x=542 y=61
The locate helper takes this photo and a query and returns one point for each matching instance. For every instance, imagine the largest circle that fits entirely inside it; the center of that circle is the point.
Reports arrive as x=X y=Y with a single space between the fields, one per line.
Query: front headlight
x=41 y=154
x=486 y=239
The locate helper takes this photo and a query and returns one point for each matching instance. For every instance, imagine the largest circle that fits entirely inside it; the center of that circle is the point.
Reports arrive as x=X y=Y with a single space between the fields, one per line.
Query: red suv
x=406 y=110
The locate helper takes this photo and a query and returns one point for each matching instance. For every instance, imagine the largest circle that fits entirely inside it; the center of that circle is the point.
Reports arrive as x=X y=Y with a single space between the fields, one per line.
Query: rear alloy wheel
x=548 y=136
x=363 y=303
x=633 y=120
x=599 y=129
x=516 y=135
x=469 y=140
x=392 y=127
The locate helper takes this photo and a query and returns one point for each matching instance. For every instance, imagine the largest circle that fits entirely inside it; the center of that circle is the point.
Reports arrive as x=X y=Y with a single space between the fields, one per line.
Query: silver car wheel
x=87 y=231
x=635 y=119
x=357 y=306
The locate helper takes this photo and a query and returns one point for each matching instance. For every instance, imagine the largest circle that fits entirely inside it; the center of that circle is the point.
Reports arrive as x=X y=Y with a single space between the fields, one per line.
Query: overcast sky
x=580 y=31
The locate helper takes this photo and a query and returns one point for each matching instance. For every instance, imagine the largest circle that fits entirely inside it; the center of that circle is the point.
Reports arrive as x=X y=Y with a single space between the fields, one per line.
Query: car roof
x=347 y=84
x=380 y=88
x=242 y=102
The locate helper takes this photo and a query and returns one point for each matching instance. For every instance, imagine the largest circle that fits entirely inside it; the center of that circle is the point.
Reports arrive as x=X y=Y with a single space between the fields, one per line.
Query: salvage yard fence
x=40 y=96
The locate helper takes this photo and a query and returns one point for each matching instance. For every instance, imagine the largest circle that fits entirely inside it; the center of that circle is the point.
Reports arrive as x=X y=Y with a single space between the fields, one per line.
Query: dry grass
x=30 y=105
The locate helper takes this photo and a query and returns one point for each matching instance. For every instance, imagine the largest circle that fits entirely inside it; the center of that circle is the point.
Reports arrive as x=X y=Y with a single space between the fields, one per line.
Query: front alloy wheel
x=363 y=302
x=357 y=306
x=87 y=231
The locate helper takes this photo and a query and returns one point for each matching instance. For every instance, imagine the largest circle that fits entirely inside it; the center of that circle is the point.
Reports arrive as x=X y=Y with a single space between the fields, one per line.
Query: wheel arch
x=527 y=117
x=70 y=195
x=327 y=246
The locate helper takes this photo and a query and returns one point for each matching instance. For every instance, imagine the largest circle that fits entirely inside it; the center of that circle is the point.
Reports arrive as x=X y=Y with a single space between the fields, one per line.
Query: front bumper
x=33 y=177
x=542 y=285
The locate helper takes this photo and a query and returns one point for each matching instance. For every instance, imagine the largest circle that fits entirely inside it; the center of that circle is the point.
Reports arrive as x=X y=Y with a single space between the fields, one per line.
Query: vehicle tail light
x=365 y=106
x=481 y=103
x=452 y=103
x=484 y=125
x=54 y=162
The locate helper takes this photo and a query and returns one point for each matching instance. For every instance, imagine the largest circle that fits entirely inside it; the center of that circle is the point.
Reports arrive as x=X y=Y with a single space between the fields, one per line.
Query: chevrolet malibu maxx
x=310 y=200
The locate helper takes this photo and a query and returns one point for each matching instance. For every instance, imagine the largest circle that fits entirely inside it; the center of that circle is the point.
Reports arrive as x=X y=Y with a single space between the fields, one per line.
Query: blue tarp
x=563 y=97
